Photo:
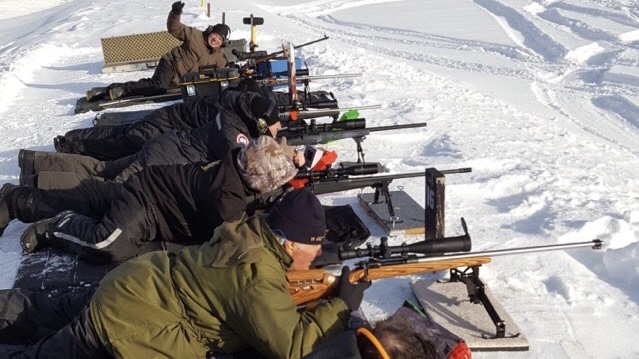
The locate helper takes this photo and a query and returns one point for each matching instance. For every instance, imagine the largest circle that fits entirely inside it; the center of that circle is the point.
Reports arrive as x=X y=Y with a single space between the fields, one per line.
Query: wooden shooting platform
x=143 y=51
x=448 y=305
x=409 y=213
x=412 y=218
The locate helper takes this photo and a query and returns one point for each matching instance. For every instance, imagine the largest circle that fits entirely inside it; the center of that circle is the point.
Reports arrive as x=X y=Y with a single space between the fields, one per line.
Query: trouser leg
x=78 y=339
x=117 y=236
x=81 y=165
x=26 y=317
x=29 y=204
x=158 y=84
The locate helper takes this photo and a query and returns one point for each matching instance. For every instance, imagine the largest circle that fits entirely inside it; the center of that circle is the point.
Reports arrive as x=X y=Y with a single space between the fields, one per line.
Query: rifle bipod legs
x=393 y=219
x=477 y=294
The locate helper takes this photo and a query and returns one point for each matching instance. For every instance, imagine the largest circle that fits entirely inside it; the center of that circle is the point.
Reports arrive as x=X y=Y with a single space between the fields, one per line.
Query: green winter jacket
x=224 y=296
x=193 y=52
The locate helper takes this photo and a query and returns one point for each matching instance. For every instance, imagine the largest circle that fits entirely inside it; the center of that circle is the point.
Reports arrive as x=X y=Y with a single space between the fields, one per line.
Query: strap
x=371 y=337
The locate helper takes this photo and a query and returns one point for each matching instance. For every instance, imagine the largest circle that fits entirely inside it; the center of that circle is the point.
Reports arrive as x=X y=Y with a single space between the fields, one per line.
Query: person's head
x=217 y=35
x=398 y=341
x=299 y=219
x=265 y=165
x=266 y=115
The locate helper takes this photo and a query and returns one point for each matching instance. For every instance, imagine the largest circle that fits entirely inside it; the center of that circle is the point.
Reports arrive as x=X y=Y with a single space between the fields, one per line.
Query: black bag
x=345 y=230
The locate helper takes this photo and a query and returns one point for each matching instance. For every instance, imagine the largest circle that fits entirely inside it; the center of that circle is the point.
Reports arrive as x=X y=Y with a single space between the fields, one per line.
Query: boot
x=117 y=92
x=60 y=144
x=26 y=160
x=39 y=234
x=97 y=93
x=6 y=214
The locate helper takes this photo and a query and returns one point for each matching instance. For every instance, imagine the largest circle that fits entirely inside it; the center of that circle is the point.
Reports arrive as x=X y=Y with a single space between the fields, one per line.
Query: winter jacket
x=223 y=296
x=193 y=52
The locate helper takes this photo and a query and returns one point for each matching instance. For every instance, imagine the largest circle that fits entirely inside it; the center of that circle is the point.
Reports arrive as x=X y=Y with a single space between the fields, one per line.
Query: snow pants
x=35 y=325
x=89 y=197
x=127 y=228
x=112 y=142
x=83 y=166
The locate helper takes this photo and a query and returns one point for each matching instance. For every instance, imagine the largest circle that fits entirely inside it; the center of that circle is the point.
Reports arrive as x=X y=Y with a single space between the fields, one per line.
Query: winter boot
x=60 y=144
x=117 y=92
x=40 y=234
x=26 y=160
x=6 y=214
x=97 y=93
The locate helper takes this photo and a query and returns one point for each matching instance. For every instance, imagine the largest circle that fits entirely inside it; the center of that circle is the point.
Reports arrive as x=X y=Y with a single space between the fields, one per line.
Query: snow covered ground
x=539 y=97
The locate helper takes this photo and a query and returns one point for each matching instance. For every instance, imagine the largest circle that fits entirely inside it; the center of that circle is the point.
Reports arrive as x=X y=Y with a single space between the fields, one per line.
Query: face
x=303 y=255
x=214 y=40
x=274 y=128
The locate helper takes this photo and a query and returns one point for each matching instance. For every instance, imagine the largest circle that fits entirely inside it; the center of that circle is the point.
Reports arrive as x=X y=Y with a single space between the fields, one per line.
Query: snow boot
x=39 y=235
x=97 y=93
x=5 y=212
x=60 y=144
x=26 y=160
x=118 y=92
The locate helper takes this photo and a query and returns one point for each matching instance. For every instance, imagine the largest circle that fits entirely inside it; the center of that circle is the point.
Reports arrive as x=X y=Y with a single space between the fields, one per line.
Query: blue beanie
x=300 y=217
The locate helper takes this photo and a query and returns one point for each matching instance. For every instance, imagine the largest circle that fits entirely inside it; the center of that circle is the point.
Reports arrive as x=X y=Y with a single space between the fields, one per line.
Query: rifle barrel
x=594 y=244
x=397 y=127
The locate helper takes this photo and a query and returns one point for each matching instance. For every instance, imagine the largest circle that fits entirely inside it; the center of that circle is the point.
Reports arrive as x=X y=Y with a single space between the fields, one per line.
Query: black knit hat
x=221 y=29
x=299 y=216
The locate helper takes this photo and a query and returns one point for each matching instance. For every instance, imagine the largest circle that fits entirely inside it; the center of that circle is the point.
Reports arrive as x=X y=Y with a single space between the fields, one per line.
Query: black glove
x=351 y=294
x=176 y=8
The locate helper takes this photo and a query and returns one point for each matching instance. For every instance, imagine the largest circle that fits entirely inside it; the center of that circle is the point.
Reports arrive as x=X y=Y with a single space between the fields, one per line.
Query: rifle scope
x=428 y=247
x=358 y=169
x=354 y=124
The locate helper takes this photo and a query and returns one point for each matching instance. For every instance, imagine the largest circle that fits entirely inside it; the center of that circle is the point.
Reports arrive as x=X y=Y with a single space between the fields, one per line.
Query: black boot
x=26 y=160
x=97 y=93
x=6 y=214
x=39 y=234
x=60 y=144
x=117 y=92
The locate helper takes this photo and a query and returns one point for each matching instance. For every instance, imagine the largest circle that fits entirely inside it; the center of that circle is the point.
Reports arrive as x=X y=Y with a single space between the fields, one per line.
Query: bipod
x=383 y=191
x=477 y=294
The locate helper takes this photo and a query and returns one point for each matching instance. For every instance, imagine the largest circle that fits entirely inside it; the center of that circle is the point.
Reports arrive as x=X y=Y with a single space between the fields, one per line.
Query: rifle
x=304 y=134
x=252 y=60
x=349 y=176
x=293 y=114
x=426 y=256
x=304 y=79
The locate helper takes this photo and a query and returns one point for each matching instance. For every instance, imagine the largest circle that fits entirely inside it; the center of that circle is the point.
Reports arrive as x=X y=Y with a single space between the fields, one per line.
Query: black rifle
x=343 y=179
x=300 y=133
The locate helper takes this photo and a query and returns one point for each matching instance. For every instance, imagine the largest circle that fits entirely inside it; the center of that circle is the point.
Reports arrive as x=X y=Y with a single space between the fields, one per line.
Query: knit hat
x=264 y=165
x=299 y=216
x=221 y=29
x=265 y=109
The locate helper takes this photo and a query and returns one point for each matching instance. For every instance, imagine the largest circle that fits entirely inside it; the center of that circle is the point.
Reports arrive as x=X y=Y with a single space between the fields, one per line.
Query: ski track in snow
x=529 y=185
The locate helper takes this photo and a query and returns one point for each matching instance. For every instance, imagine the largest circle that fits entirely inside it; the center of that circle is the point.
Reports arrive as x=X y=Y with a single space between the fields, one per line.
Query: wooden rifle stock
x=314 y=284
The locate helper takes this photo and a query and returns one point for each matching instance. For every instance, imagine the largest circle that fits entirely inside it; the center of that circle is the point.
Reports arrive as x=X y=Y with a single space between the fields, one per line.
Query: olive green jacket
x=228 y=294
x=193 y=52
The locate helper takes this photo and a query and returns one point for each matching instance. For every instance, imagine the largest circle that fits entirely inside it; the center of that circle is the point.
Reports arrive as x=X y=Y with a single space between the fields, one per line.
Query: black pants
x=35 y=325
x=126 y=229
x=112 y=142
x=91 y=198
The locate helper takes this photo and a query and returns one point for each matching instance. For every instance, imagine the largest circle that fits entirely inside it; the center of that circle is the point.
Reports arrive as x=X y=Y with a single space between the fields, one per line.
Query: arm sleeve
x=268 y=320
x=176 y=28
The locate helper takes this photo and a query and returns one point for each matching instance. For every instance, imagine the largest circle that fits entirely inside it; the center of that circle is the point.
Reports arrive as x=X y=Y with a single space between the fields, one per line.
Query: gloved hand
x=177 y=7
x=351 y=294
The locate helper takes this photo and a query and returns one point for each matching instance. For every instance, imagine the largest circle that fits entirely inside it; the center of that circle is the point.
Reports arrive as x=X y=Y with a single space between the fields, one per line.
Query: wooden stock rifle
x=430 y=255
